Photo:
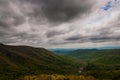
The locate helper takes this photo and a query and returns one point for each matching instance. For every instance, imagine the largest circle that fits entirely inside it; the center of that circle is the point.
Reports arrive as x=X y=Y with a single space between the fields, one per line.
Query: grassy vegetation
x=58 y=77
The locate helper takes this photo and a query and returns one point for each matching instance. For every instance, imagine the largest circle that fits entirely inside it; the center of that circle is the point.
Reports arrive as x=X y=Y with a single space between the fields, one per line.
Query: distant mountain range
x=16 y=61
x=106 y=56
x=103 y=64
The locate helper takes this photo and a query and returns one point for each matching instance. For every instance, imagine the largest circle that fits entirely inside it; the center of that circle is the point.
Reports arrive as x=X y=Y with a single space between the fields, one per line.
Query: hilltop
x=17 y=61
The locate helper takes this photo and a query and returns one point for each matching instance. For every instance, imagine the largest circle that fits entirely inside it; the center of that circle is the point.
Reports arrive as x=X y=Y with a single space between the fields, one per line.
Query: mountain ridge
x=27 y=60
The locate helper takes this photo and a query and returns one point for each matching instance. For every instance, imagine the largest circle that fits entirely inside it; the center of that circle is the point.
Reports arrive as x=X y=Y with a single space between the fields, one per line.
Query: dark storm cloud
x=9 y=17
x=19 y=38
x=91 y=39
x=53 y=33
x=11 y=21
x=25 y=36
x=102 y=35
x=53 y=10
x=56 y=22
x=74 y=38
x=3 y=24
x=104 y=39
x=61 y=10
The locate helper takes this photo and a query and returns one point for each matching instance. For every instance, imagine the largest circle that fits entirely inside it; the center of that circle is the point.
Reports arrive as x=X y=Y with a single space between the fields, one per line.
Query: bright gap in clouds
x=108 y=6
x=60 y=23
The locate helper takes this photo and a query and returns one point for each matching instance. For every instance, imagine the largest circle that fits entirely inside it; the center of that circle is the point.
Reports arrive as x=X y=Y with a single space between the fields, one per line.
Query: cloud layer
x=60 y=23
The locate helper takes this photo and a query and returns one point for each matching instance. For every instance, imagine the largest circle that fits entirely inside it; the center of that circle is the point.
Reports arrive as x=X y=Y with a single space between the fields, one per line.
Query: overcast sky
x=60 y=23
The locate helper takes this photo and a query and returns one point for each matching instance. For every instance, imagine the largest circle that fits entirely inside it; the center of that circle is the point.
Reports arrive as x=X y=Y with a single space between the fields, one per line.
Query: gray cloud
x=53 y=33
x=74 y=38
x=14 y=12
x=62 y=10
x=11 y=21
x=104 y=39
x=58 y=22
x=9 y=17
x=106 y=34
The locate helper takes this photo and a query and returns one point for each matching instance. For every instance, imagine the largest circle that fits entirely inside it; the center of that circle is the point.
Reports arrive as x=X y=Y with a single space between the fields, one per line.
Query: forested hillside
x=100 y=63
x=16 y=61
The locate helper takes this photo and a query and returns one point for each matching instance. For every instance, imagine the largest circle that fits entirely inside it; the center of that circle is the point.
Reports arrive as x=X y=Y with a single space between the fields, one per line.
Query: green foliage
x=102 y=64
x=18 y=61
x=107 y=56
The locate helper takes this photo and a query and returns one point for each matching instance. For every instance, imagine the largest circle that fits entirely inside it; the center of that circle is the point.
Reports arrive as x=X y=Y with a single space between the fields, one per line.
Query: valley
x=31 y=63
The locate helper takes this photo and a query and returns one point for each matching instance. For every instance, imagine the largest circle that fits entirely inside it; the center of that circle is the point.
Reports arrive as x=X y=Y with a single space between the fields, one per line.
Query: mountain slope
x=103 y=64
x=110 y=56
x=24 y=60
